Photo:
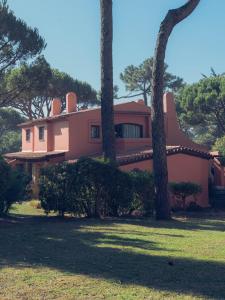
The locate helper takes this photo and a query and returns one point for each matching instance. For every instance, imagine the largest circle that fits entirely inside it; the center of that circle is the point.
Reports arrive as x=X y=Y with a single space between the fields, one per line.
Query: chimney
x=169 y=106
x=56 y=107
x=141 y=101
x=71 y=102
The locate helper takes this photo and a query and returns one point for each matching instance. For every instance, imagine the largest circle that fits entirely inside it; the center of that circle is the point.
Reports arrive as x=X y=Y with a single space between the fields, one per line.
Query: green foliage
x=9 y=119
x=10 y=142
x=222 y=160
x=201 y=108
x=88 y=187
x=13 y=184
x=102 y=189
x=95 y=188
x=31 y=88
x=54 y=194
x=143 y=191
x=10 y=136
x=18 y=41
x=182 y=190
x=139 y=79
x=220 y=145
x=62 y=83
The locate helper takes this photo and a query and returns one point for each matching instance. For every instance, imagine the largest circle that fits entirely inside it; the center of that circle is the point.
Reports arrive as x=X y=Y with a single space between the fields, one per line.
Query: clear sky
x=71 y=29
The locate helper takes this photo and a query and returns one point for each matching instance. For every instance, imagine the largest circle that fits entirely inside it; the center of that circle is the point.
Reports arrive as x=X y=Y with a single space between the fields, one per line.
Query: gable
x=132 y=106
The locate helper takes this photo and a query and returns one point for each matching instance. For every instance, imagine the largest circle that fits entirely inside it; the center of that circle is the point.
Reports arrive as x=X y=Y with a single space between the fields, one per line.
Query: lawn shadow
x=214 y=223
x=67 y=247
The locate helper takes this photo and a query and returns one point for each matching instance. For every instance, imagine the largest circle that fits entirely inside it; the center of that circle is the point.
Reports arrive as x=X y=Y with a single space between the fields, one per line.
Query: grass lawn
x=49 y=258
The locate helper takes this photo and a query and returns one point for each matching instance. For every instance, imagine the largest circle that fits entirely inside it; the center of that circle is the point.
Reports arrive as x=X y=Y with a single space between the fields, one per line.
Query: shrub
x=220 y=145
x=102 y=189
x=13 y=184
x=222 y=160
x=193 y=206
x=182 y=190
x=88 y=187
x=94 y=188
x=53 y=193
x=143 y=191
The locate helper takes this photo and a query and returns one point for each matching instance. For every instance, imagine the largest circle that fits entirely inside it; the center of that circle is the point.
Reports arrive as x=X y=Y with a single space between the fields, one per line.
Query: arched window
x=127 y=130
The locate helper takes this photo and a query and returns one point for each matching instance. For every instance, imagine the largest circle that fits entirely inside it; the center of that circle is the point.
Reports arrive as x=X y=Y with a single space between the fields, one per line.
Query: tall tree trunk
x=173 y=17
x=107 y=115
x=145 y=96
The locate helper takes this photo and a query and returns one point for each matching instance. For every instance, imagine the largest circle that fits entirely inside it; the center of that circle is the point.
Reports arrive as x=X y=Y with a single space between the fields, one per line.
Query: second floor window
x=27 y=135
x=127 y=130
x=95 y=132
x=41 y=133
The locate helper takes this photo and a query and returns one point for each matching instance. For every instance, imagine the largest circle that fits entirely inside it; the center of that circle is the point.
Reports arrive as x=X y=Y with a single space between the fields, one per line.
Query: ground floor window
x=95 y=131
x=127 y=130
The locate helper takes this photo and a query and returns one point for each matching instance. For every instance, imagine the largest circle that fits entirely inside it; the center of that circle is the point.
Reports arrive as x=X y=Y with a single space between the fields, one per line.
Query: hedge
x=94 y=188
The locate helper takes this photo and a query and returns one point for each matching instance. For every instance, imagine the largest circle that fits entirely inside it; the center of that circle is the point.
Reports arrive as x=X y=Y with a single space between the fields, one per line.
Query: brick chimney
x=141 y=101
x=169 y=106
x=56 y=107
x=71 y=102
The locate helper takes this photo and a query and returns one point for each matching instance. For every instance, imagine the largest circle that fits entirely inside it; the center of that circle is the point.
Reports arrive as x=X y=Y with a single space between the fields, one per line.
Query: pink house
x=74 y=133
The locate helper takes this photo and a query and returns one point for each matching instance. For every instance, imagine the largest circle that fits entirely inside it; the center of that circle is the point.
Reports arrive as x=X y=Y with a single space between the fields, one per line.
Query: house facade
x=74 y=133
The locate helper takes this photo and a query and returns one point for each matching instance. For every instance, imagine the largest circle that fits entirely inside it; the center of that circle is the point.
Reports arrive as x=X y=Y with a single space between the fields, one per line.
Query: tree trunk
x=173 y=17
x=145 y=95
x=107 y=115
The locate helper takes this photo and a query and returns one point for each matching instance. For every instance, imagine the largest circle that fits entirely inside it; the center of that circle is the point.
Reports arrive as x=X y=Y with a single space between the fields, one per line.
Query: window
x=41 y=132
x=95 y=131
x=27 y=135
x=129 y=131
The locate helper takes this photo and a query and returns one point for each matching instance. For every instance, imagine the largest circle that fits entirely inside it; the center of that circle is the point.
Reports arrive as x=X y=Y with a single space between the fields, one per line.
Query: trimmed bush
x=94 y=188
x=143 y=191
x=100 y=188
x=194 y=207
x=13 y=185
x=89 y=187
x=54 y=194
x=182 y=190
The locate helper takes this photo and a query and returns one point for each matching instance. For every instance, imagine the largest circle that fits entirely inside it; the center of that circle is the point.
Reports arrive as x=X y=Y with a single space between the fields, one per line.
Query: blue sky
x=71 y=29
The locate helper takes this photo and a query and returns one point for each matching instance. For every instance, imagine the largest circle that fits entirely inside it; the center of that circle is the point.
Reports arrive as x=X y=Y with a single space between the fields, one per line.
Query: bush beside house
x=143 y=191
x=182 y=190
x=94 y=188
x=13 y=185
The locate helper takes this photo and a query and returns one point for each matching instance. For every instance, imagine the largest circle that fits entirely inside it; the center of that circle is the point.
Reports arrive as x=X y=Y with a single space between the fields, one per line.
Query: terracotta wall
x=174 y=135
x=81 y=143
x=73 y=135
x=190 y=168
x=60 y=134
x=182 y=167
x=40 y=145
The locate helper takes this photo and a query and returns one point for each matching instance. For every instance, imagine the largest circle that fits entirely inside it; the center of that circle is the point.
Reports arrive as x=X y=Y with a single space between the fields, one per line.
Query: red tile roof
x=136 y=156
x=122 y=158
x=34 y=156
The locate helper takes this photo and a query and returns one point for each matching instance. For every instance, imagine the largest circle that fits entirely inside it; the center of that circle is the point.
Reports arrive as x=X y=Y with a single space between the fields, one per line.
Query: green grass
x=50 y=258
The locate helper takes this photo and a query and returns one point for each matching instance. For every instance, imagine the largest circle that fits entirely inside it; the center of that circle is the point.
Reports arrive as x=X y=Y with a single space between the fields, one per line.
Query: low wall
x=182 y=167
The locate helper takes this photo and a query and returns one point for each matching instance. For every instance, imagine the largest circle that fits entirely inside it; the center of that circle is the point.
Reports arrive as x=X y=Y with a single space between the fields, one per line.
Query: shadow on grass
x=68 y=247
x=213 y=224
